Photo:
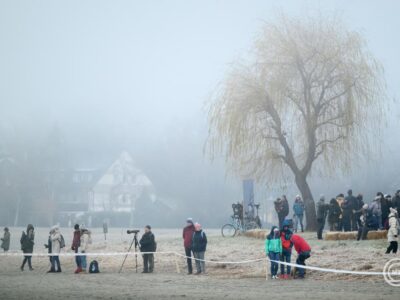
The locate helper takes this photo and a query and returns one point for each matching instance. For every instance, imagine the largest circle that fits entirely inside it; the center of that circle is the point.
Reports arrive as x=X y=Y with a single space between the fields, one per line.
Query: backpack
x=62 y=241
x=94 y=267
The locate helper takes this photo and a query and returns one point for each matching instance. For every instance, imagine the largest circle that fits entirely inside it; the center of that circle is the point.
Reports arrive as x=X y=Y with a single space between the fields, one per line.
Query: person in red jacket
x=187 y=243
x=303 y=250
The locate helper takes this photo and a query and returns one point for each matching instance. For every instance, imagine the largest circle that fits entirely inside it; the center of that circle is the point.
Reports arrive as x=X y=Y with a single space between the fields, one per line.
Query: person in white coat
x=55 y=237
x=85 y=241
x=393 y=231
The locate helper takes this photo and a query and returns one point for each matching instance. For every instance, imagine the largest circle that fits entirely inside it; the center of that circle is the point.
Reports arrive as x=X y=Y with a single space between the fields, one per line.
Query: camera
x=132 y=231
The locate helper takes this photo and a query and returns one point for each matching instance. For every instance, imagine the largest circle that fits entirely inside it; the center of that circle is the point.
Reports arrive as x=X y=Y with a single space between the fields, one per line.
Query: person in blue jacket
x=199 y=246
x=298 y=208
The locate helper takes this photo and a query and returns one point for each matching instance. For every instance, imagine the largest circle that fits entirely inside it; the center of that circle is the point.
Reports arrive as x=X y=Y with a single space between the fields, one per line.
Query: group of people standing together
x=278 y=247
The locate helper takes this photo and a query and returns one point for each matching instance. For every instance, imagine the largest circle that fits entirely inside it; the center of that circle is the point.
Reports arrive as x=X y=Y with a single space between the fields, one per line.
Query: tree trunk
x=311 y=217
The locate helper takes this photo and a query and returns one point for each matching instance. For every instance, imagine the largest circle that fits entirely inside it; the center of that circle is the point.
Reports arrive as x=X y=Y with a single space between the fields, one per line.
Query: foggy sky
x=136 y=74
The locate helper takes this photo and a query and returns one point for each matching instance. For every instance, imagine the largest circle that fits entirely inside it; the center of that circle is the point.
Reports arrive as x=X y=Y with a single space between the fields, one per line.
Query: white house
x=120 y=187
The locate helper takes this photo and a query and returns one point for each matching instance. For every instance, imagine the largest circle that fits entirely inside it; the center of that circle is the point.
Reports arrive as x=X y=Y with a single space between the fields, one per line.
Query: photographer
x=148 y=244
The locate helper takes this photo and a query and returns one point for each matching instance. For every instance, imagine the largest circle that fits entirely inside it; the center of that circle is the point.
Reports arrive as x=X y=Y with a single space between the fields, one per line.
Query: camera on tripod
x=132 y=231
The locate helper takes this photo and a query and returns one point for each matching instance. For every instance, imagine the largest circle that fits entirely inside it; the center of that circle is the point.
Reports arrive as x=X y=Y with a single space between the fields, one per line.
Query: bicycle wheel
x=228 y=230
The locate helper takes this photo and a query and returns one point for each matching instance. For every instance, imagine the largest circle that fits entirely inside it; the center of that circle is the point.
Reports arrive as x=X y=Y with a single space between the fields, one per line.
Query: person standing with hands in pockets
x=187 y=234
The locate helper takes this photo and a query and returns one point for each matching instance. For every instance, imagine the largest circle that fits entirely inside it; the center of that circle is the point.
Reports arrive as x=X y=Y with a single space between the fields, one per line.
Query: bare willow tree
x=303 y=100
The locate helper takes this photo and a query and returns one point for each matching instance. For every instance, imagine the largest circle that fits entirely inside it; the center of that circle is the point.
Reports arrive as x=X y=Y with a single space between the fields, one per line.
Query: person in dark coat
x=199 y=247
x=282 y=209
x=5 y=240
x=396 y=201
x=27 y=242
x=333 y=215
x=148 y=244
x=76 y=243
x=368 y=222
x=322 y=212
x=358 y=204
x=386 y=203
x=187 y=235
x=352 y=204
x=347 y=208
x=379 y=199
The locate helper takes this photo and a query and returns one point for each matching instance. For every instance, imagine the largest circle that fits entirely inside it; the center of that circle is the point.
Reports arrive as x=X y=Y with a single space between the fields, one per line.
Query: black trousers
x=321 y=225
x=188 y=253
x=148 y=262
x=392 y=247
x=362 y=232
x=301 y=260
x=27 y=258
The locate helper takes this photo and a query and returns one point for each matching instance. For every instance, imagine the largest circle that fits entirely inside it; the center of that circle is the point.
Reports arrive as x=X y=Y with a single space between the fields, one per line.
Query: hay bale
x=332 y=236
x=377 y=235
x=351 y=235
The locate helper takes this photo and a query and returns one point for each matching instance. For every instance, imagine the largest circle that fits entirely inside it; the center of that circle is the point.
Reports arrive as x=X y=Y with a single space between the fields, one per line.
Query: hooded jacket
x=273 y=242
x=85 y=240
x=298 y=207
x=55 y=237
x=300 y=244
x=27 y=239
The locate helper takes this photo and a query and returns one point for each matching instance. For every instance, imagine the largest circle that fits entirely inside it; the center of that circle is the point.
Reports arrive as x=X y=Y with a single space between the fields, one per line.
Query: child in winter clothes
x=287 y=245
x=393 y=231
x=303 y=250
x=273 y=249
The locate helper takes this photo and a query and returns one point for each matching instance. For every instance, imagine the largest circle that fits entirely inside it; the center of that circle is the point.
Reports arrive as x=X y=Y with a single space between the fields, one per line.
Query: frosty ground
x=245 y=281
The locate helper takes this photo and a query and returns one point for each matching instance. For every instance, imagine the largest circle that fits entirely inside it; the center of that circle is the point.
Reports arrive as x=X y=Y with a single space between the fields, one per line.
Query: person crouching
x=303 y=250
x=148 y=244
x=273 y=249
x=199 y=246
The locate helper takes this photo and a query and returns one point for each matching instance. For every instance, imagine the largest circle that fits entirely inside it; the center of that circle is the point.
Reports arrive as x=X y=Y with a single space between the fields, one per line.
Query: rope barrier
x=338 y=271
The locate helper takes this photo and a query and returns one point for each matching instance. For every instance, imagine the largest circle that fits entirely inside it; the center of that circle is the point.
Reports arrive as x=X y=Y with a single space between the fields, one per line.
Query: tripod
x=134 y=240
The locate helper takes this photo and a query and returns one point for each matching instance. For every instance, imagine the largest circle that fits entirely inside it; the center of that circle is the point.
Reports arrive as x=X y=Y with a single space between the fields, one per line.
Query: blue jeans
x=274 y=265
x=285 y=257
x=83 y=262
x=55 y=261
x=77 y=259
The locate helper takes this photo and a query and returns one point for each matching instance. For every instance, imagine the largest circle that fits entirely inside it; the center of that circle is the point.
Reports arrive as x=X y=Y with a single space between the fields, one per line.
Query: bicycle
x=236 y=226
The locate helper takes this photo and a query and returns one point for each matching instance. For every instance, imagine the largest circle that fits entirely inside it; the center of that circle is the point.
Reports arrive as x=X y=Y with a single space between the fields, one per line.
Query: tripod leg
x=130 y=247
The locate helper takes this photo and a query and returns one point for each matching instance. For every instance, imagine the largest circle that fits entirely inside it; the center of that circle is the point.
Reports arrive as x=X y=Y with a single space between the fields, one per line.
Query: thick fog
x=83 y=81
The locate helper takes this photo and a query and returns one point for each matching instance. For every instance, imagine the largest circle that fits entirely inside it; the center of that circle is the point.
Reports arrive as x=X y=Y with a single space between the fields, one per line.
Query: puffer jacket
x=298 y=207
x=85 y=240
x=27 y=240
x=393 y=228
x=55 y=237
x=273 y=242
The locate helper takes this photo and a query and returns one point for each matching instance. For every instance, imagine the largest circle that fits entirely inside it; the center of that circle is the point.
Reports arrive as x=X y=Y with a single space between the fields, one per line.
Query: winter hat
x=365 y=206
x=393 y=210
x=197 y=226
x=148 y=227
x=55 y=227
x=322 y=197
x=388 y=196
x=189 y=220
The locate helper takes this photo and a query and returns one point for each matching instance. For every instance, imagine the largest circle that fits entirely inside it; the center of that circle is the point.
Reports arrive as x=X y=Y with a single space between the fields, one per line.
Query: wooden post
x=178 y=270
